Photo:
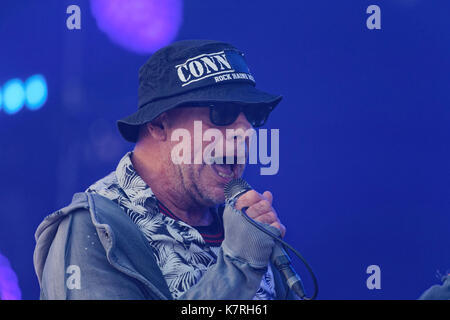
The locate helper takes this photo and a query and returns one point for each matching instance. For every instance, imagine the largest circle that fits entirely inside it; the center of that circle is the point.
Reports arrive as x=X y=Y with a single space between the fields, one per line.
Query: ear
x=158 y=128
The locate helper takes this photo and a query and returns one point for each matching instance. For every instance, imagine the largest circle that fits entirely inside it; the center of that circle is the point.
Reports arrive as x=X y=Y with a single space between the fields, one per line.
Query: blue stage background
x=364 y=128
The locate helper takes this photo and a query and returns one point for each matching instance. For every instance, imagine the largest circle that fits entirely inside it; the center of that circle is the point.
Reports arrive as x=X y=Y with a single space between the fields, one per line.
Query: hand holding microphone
x=255 y=208
x=259 y=208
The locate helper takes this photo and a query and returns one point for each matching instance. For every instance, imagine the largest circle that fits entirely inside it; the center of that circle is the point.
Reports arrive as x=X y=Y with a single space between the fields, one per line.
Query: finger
x=280 y=227
x=248 y=199
x=260 y=208
x=268 y=195
x=268 y=218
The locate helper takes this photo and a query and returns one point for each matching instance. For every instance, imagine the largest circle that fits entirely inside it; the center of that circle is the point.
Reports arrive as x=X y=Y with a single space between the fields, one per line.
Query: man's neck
x=181 y=205
x=194 y=216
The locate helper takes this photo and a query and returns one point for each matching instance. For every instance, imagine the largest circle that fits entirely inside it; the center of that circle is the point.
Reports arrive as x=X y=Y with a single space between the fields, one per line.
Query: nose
x=241 y=122
x=240 y=136
x=239 y=128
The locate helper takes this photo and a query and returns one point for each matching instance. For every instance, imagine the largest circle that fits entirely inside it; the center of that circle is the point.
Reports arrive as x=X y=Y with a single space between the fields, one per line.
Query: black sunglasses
x=225 y=113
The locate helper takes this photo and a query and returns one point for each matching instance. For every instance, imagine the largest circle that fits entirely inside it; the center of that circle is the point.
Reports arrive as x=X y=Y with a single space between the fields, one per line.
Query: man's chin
x=213 y=195
x=213 y=184
x=216 y=199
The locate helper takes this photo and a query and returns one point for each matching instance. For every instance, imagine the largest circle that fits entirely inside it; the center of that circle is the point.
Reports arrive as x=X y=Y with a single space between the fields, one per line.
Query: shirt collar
x=135 y=188
x=130 y=182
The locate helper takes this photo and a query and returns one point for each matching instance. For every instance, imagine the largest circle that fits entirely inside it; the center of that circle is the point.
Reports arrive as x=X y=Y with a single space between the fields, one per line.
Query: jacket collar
x=126 y=246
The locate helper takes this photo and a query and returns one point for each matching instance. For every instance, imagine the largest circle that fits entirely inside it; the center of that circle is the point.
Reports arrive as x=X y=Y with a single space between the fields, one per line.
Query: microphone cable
x=287 y=245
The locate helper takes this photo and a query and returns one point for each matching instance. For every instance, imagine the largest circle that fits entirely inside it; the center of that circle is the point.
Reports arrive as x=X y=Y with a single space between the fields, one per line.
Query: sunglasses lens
x=257 y=115
x=224 y=115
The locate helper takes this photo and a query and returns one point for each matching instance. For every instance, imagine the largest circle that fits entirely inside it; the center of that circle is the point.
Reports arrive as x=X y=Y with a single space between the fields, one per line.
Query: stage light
x=35 y=92
x=13 y=96
x=9 y=287
x=142 y=26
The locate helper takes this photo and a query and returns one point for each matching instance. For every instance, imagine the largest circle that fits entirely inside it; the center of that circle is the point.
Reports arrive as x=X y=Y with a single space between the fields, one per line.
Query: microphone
x=281 y=260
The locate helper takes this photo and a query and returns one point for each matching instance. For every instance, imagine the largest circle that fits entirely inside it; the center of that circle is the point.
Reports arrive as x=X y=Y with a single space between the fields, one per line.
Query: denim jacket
x=90 y=249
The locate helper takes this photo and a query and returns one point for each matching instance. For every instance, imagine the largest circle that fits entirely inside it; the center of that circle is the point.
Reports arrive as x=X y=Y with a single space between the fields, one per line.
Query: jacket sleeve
x=241 y=263
x=76 y=267
x=438 y=292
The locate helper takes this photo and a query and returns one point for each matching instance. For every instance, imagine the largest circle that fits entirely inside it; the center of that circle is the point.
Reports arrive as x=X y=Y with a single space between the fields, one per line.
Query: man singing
x=158 y=229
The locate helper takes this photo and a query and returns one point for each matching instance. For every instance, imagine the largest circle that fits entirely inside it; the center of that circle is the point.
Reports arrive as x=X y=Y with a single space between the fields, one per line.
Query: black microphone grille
x=235 y=188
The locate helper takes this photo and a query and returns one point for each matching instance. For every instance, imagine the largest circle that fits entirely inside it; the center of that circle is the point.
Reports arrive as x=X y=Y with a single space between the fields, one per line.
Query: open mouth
x=224 y=170
x=227 y=171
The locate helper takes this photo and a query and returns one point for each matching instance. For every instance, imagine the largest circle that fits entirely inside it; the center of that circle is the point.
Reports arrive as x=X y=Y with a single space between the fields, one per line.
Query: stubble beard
x=198 y=188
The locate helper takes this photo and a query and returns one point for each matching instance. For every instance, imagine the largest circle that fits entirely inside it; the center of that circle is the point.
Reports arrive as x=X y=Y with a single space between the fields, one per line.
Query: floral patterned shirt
x=182 y=252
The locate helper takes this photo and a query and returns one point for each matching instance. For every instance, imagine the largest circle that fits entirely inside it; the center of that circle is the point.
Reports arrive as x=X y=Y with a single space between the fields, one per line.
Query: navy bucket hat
x=192 y=71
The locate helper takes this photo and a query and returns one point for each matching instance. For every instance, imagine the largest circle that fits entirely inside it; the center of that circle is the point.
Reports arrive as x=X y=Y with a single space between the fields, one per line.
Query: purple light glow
x=143 y=26
x=9 y=287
